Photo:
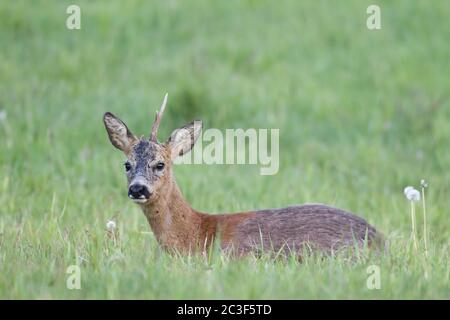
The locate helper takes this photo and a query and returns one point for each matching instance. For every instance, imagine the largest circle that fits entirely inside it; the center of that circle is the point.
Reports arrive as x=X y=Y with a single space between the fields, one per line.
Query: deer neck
x=173 y=221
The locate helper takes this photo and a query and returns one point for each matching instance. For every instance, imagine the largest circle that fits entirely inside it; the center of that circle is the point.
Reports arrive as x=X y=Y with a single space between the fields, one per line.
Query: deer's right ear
x=119 y=134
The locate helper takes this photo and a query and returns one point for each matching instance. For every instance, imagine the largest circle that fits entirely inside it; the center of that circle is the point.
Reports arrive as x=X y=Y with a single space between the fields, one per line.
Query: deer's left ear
x=183 y=139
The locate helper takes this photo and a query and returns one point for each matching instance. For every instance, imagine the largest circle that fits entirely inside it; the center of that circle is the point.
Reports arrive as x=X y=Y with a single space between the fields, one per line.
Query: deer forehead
x=147 y=151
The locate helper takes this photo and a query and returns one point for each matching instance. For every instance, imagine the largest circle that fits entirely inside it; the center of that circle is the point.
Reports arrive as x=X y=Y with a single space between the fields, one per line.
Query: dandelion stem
x=413 y=221
x=424 y=222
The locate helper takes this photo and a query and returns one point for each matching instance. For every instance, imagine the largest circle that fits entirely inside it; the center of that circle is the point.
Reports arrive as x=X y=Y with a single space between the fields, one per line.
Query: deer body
x=179 y=227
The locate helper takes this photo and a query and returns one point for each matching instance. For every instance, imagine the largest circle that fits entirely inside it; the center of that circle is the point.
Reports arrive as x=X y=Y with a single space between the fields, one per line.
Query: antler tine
x=158 y=117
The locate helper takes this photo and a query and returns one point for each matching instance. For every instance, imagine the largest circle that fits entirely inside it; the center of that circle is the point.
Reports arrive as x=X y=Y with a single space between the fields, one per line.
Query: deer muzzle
x=138 y=191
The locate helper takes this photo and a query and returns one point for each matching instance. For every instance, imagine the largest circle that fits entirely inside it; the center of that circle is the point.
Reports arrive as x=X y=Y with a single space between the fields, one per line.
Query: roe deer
x=179 y=227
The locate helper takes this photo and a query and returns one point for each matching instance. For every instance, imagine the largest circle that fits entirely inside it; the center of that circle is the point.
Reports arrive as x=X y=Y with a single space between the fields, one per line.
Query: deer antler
x=158 y=117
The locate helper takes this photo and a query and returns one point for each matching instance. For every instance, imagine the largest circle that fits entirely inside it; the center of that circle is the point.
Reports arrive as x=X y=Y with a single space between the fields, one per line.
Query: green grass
x=361 y=115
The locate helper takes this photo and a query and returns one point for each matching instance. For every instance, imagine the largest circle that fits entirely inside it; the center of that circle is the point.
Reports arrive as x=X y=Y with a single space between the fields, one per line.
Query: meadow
x=362 y=114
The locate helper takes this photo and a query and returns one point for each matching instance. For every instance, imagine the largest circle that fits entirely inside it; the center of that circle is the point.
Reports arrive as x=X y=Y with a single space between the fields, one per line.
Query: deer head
x=149 y=163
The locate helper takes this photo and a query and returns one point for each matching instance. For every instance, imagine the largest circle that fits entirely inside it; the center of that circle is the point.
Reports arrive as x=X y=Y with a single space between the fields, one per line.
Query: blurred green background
x=361 y=113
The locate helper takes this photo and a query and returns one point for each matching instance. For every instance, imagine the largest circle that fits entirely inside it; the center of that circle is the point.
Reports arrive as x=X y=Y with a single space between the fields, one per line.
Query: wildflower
x=423 y=184
x=111 y=225
x=412 y=194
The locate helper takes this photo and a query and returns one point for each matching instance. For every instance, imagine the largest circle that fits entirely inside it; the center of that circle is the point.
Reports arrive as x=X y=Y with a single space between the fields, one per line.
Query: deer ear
x=183 y=139
x=119 y=134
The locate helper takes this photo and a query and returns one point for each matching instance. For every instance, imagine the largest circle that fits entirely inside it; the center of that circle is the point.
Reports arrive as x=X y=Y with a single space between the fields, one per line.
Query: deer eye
x=159 y=166
x=127 y=166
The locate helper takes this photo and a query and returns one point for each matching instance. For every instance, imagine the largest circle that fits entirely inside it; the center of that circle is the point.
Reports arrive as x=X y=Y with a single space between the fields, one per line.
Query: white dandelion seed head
x=412 y=195
x=111 y=225
x=3 y=115
x=423 y=183
x=407 y=189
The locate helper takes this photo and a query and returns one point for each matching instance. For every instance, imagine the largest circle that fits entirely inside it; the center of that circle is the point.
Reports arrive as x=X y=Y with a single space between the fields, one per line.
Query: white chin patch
x=141 y=200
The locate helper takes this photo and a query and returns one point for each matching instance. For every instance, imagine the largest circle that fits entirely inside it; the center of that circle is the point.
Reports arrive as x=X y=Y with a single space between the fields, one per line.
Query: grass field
x=361 y=113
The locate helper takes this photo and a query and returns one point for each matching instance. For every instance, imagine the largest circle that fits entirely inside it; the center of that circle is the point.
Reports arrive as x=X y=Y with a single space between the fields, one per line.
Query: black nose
x=138 y=191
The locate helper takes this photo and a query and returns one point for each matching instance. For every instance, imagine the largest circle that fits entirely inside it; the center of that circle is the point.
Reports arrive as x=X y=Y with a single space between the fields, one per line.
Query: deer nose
x=138 y=191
